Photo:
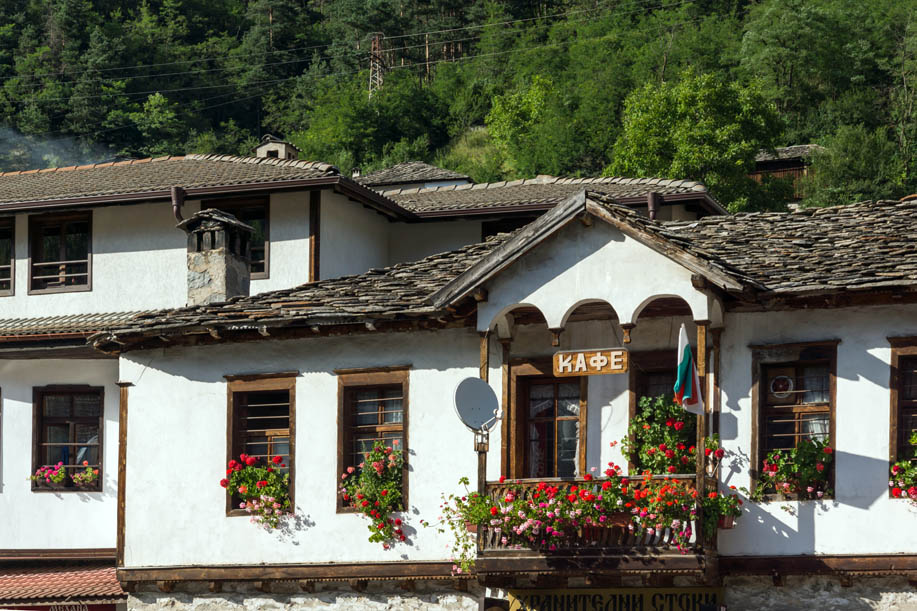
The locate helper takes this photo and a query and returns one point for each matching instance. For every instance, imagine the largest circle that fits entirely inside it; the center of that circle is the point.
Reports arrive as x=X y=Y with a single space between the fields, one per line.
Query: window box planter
x=726 y=522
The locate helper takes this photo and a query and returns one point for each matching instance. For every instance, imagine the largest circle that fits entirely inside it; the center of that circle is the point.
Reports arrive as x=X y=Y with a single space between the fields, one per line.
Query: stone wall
x=863 y=593
x=377 y=596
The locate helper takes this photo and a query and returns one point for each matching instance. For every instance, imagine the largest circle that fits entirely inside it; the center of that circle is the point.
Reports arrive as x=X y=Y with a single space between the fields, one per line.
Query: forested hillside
x=497 y=89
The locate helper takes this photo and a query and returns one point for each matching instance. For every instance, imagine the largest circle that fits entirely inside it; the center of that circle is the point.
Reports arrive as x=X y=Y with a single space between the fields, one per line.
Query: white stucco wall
x=353 y=238
x=413 y=241
x=289 y=242
x=45 y=520
x=861 y=518
x=182 y=391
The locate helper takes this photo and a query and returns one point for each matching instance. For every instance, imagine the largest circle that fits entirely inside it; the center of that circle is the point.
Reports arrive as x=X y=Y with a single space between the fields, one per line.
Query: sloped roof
x=797 y=151
x=64 y=583
x=397 y=292
x=71 y=324
x=145 y=175
x=539 y=193
x=407 y=173
x=868 y=245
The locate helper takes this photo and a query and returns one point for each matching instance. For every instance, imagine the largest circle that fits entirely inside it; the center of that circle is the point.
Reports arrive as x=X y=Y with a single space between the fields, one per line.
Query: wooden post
x=701 y=425
x=122 y=470
x=505 y=405
x=485 y=355
x=315 y=220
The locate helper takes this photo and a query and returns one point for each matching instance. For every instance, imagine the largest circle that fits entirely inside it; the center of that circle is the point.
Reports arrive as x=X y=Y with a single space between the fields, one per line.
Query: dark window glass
x=907 y=405
x=70 y=432
x=60 y=249
x=796 y=404
x=374 y=414
x=6 y=254
x=256 y=215
x=552 y=428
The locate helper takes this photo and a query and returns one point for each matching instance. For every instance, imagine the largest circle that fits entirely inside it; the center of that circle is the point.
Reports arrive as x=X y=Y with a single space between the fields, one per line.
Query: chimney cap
x=271 y=139
x=211 y=218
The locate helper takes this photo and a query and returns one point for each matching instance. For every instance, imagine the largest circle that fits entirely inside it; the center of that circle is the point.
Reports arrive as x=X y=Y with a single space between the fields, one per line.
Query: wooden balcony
x=615 y=548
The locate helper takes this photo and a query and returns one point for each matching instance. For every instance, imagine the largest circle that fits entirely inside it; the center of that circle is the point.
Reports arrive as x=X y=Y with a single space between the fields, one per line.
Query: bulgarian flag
x=687 y=386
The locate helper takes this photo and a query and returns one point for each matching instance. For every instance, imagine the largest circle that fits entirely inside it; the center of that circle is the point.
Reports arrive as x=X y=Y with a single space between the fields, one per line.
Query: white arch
x=581 y=302
x=639 y=309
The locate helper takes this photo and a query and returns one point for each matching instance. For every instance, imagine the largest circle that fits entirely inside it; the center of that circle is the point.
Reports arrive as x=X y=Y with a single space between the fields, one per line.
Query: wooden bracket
x=215 y=586
x=358 y=585
x=625 y=328
x=165 y=586
x=779 y=580
x=307 y=586
x=480 y=295
x=555 y=337
x=263 y=586
x=846 y=580
x=460 y=585
x=408 y=585
x=603 y=581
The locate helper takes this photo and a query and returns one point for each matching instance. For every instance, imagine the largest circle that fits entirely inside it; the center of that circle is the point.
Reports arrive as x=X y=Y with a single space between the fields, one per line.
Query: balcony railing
x=618 y=536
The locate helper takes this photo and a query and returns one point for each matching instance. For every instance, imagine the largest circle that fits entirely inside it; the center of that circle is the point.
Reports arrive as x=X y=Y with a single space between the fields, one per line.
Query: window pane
x=568 y=400
x=48 y=246
x=267 y=410
x=56 y=406
x=541 y=401
x=815 y=384
x=87 y=406
x=814 y=426
x=57 y=434
x=781 y=432
x=658 y=383
x=541 y=449
x=87 y=436
x=76 y=235
x=257 y=446
x=6 y=254
x=567 y=447
x=907 y=369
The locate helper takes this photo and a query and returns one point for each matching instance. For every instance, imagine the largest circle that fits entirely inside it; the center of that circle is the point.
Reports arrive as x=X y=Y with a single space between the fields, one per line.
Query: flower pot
x=471 y=527
x=726 y=522
x=618 y=518
x=50 y=485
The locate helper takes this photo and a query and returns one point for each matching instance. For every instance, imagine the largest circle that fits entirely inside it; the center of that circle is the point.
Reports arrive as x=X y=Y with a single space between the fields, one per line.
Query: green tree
x=702 y=128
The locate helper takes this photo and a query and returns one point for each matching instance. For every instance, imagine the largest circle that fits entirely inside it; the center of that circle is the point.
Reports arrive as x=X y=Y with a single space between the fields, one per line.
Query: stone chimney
x=276 y=148
x=219 y=256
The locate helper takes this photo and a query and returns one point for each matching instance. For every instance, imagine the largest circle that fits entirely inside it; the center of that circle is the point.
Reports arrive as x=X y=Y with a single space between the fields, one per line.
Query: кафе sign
x=590 y=362
x=618 y=599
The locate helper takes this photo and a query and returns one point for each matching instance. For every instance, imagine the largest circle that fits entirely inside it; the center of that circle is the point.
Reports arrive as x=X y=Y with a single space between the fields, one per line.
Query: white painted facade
x=54 y=520
x=578 y=265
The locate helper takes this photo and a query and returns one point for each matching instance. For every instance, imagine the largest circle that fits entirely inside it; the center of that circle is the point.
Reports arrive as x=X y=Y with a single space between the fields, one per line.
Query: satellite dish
x=476 y=404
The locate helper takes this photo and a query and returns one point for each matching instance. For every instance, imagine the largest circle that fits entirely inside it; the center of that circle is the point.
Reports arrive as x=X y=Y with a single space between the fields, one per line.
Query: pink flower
x=243 y=489
x=350 y=469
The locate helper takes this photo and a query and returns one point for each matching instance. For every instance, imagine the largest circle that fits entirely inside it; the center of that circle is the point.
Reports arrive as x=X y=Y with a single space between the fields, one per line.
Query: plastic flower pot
x=471 y=527
x=726 y=522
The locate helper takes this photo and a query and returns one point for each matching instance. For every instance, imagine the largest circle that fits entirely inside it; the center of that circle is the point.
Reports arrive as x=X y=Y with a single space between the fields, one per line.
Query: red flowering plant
x=461 y=514
x=903 y=476
x=801 y=473
x=374 y=489
x=719 y=508
x=50 y=474
x=661 y=437
x=665 y=505
x=85 y=478
x=263 y=490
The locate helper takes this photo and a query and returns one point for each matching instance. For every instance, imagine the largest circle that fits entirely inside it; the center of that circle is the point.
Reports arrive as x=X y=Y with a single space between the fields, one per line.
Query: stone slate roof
x=142 y=175
x=80 y=324
x=541 y=193
x=797 y=151
x=869 y=245
x=391 y=293
x=408 y=172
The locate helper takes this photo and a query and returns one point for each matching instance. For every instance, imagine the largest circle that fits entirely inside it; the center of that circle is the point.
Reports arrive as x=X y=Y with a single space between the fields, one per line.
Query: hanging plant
x=903 y=482
x=720 y=511
x=264 y=492
x=85 y=478
x=661 y=437
x=800 y=473
x=374 y=489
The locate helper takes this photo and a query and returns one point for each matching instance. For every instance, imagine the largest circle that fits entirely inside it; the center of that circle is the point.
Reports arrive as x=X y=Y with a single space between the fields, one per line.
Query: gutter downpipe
x=178 y=200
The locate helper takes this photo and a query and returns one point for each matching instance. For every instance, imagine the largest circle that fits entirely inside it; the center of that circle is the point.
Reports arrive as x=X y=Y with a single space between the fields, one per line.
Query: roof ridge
x=296 y=163
x=91 y=166
x=543 y=179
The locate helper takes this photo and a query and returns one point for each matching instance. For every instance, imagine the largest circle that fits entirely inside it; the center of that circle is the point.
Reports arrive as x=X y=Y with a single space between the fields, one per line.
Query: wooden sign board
x=590 y=362
x=617 y=599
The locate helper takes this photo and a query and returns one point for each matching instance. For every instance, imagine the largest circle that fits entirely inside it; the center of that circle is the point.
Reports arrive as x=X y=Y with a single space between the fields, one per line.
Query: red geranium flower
x=671 y=468
x=250 y=460
x=397 y=521
x=277 y=460
x=679 y=425
x=669 y=422
x=364 y=504
x=720 y=452
x=669 y=454
x=896 y=492
x=819 y=466
x=827 y=450
x=261 y=484
x=384 y=492
x=224 y=482
x=502 y=478
x=493 y=511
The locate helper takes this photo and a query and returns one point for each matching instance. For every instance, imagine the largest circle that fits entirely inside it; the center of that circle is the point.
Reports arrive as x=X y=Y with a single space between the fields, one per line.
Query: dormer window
x=254 y=212
x=60 y=252
x=6 y=256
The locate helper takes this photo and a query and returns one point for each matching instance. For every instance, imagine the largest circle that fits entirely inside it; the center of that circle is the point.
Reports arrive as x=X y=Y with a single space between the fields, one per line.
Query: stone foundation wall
x=288 y=596
x=864 y=593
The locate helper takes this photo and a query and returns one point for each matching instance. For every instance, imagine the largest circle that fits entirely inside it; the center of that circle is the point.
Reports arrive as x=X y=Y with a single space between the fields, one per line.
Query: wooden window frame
x=520 y=371
x=10 y=221
x=38 y=420
x=902 y=347
x=35 y=222
x=642 y=363
x=255 y=383
x=777 y=354
x=352 y=379
x=232 y=205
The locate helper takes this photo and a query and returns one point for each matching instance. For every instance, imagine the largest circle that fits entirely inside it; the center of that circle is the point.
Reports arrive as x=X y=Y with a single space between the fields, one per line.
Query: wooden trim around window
x=36 y=220
x=901 y=347
x=378 y=376
x=513 y=422
x=768 y=354
x=37 y=392
x=232 y=205
x=122 y=468
x=253 y=383
x=315 y=221
x=11 y=221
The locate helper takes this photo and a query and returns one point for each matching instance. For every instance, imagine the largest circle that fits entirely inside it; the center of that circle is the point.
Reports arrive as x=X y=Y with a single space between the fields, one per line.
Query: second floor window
x=552 y=413
x=797 y=404
x=68 y=431
x=6 y=255
x=904 y=415
x=60 y=252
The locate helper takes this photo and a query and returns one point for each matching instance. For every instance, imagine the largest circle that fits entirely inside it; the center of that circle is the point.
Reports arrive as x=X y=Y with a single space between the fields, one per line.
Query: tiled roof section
x=797 y=151
x=861 y=246
x=58 y=325
x=408 y=172
x=544 y=191
x=59 y=584
x=143 y=175
x=396 y=292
